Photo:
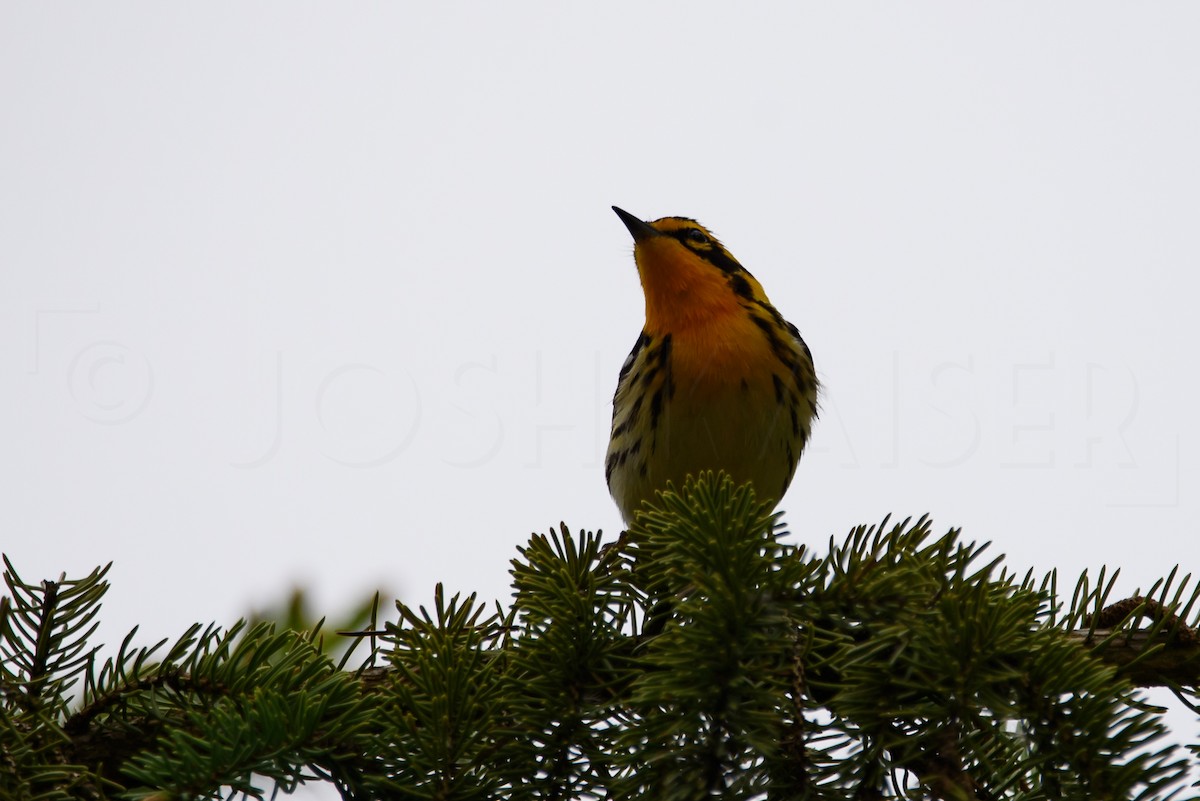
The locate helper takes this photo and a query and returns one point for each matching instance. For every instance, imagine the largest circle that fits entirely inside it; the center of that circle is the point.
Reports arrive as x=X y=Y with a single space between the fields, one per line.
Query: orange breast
x=729 y=350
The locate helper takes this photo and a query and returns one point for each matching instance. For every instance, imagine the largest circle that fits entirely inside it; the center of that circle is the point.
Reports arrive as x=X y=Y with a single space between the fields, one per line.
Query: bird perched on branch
x=717 y=380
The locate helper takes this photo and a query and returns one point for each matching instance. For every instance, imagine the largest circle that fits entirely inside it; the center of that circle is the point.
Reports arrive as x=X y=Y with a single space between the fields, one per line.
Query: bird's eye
x=697 y=236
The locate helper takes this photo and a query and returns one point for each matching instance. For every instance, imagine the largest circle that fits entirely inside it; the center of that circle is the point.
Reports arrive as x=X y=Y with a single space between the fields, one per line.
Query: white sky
x=333 y=294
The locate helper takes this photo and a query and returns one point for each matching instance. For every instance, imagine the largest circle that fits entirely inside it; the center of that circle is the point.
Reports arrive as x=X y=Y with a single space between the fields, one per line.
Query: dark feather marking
x=798 y=377
x=635 y=409
x=656 y=407
x=642 y=341
x=741 y=287
x=776 y=316
x=664 y=359
x=768 y=329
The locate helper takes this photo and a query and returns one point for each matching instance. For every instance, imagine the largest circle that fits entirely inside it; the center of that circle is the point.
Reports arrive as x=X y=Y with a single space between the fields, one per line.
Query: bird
x=717 y=379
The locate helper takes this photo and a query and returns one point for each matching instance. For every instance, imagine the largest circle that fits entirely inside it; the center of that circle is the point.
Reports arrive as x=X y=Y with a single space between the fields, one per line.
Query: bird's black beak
x=640 y=230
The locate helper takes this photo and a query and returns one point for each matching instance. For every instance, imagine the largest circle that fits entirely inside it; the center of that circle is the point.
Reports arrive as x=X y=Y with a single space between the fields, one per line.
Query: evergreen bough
x=698 y=657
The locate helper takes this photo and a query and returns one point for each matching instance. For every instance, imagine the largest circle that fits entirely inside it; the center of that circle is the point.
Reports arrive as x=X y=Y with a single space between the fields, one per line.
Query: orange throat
x=680 y=297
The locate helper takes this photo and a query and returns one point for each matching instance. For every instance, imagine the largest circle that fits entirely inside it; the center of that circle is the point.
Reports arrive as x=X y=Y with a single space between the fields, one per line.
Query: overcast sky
x=332 y=294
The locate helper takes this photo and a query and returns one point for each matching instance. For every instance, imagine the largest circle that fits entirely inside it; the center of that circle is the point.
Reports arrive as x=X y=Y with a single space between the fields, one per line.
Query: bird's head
x=688 y=276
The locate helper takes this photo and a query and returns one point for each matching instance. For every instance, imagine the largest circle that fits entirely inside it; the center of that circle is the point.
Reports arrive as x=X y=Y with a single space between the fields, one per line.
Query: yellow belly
x=725 y=412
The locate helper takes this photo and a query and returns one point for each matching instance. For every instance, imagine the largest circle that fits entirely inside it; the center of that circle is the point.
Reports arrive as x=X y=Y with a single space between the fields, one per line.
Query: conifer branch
x=938 y=766
x=1146 y=659
x=700 y=654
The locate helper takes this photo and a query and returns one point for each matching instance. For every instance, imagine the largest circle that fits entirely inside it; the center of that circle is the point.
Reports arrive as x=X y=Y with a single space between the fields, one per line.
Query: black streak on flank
x=740 y=286
x=795 y=332
x=664 y=350
x=635 y=409
x=642 y=341
x=791 y=470
x=778 y=318
x=631 y=417
x=664 y=360
x=655 y=408
x=768 y=328
x=798 y=375
x=782 y=352
x=778 y=382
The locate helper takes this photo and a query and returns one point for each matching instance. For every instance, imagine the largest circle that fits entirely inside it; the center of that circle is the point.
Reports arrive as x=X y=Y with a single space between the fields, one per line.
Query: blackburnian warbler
x=718 y=380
